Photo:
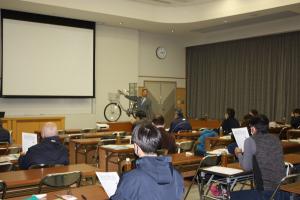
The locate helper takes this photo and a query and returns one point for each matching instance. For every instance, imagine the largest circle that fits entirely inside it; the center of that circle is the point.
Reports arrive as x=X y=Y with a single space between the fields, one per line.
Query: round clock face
x=161 y=52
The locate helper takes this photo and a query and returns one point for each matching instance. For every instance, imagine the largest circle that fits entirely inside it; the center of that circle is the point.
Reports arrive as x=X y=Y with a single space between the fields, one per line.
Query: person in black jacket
x=229 y=122
x=4 y=134
x=168 y=140
x=154 y=176
x=50 y=151
x=295 y=118
x=179 y=123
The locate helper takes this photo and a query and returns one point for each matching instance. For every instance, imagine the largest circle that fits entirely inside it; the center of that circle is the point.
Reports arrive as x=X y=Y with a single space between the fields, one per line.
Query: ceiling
x=172 y=3
x=184 y=18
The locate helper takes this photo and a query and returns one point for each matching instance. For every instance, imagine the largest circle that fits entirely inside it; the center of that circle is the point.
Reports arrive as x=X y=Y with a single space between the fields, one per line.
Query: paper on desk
x=28 y=140
x=224 y=170
x=240 y=135
x=109 y=181
x=218 y=151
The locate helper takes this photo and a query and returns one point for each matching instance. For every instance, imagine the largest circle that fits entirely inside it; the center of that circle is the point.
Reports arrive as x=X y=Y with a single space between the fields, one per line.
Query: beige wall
x=121 y=56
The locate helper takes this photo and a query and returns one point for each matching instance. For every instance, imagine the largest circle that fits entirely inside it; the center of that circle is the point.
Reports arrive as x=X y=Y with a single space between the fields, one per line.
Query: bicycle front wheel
x=112 y=112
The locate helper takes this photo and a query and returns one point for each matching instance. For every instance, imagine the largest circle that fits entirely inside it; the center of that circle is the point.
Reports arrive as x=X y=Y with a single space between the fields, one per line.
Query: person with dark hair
x=168 y=140
x=179 y=123
x=265 y=160
x=229 y=122
x=295 y=118
x=253 y=112
x=245 y=123
x=140 y=118
x=4 y=134
x=154 y=176
x=143 y=102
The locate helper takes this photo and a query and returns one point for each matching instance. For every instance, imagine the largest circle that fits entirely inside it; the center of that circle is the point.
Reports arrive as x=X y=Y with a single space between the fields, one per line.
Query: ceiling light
x=172 y=30
x=121 y=23
x=225 y=21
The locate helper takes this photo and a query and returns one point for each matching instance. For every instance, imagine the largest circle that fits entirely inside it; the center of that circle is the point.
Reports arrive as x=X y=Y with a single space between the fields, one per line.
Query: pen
x=83 y=197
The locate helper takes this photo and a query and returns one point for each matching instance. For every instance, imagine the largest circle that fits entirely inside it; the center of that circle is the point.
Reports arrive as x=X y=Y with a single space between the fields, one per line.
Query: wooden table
x=290 y=147
x=183 y=159
x=291 y=188
x=91 y=192
x=28 y=178
x=188 y=134
x=110 y=158
x=88 y=146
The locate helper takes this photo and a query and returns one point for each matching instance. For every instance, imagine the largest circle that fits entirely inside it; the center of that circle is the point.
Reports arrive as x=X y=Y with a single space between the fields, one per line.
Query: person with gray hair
x=154 y=176
x=49 y=152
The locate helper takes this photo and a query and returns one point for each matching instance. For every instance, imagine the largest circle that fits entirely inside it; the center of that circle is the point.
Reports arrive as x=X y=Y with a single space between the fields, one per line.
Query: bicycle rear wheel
x=112 y=112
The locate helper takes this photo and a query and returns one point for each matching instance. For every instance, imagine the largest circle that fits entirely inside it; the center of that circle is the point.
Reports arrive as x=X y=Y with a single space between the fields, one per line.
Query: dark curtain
x=260 y=73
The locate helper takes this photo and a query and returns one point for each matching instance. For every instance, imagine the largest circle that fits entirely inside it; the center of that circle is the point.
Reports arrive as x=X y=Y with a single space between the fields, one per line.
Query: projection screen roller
x=42 y=59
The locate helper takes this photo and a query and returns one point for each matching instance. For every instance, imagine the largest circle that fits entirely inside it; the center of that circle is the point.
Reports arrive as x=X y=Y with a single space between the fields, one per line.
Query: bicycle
x=113 y=110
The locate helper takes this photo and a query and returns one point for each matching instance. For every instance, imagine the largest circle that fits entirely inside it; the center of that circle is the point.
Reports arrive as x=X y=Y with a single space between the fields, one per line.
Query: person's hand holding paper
x=240 y=135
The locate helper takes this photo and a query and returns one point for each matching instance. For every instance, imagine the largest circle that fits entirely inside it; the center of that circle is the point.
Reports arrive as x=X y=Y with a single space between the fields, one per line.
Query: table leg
x=85 y=154
x=200 y=188
x=228 y=188
x=76 y=149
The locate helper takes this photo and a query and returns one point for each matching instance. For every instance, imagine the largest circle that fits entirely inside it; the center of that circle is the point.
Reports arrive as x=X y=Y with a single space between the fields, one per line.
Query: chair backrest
x=210 y=160
x=61 y=180
x=162 y=152
x=14 y=150
x=293 y=134
x=2 y=189
x=88 y=130
x=293 y=178
x=39 y=166
x=4 y=167
x=3 y=148
x=185 y=146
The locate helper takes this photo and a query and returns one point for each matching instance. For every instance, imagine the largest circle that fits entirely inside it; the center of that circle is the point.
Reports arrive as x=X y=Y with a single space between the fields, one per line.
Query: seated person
x=4 y=134
x=49 y=152
x=229 y=122
x=154 y=176
x=245 y=123
x=295 y=118
x=253 y=112
x=200 y=148
x=179 y=123
x=140 y=117
x=264 y=159
x=167 y=140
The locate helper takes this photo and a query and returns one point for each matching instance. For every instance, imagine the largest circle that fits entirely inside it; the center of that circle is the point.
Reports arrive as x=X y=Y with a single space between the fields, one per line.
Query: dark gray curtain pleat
x=261 y=73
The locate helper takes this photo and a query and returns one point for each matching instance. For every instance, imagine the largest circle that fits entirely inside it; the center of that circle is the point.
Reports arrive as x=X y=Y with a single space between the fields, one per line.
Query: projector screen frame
x=46 y=19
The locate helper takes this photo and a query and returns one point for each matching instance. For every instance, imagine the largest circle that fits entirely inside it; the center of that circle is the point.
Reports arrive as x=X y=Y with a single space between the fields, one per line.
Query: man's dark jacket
x=153 y=179
x=50 y=152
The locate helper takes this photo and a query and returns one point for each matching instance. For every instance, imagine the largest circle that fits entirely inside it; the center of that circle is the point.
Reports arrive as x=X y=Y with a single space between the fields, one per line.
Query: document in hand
x=240 y=135
x=28 y=140
x=109 y=181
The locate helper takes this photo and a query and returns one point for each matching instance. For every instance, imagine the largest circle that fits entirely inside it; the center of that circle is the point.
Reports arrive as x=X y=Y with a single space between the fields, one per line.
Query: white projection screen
x=45 y=56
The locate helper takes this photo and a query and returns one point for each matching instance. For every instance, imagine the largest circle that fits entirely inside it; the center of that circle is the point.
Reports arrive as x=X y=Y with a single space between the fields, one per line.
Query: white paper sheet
x=109 y=181
x=224 y=170
x=240 y=135
x=28 y=140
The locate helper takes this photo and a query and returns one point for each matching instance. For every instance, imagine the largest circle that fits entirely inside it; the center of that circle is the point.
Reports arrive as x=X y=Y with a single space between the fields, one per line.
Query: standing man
x=143 y=102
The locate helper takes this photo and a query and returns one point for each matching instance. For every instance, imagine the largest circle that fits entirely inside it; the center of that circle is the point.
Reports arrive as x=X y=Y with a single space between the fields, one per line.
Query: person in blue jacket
x=49 y=152
x=4 y=134
x=154 y=177
x=179 y=123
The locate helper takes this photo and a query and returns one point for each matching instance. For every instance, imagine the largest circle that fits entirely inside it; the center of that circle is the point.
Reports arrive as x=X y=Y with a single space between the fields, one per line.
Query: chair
x=286 y=180
x=3 y=188
x=4 y=148
x=162 y=152
x=61 y=180
x=102 y=142
x=293 y=134
x=185 y=146
x=210 y=160
x=5 y=167
x=39 y=166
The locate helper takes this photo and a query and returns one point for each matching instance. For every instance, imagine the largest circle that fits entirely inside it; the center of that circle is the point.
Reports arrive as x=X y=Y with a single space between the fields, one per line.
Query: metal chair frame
x=61 y=184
